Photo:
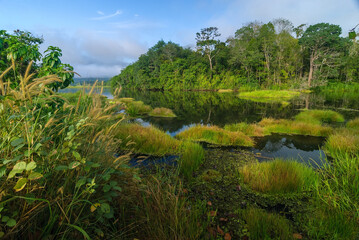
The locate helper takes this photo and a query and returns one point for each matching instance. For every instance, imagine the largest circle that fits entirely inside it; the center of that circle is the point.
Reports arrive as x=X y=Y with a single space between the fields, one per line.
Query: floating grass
x=146 y=140
x=268 y=96
x=216 y=135
x=319 y=116
x=264 y=225
x=278 y=176
x=137 y=108
x=285 y=126
x=162 y=112
x=247 y=129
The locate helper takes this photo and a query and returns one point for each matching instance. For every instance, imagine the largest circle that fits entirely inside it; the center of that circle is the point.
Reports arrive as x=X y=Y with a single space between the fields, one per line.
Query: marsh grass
x=247 y=129
x=146 y=140
x=125 y=100
x=269 y=95
x=191 y=157
x=278 y=176
x=225 y=90
x=341 y=142
x=294 y=127
x=137 y=108
x=215 y=135
x=263 y=225
x=162 y=112
x=319 y=116
x=353 y=124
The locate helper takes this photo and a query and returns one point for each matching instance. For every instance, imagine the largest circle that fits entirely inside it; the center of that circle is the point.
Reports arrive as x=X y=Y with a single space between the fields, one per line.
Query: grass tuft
x=192 y=155
x=319 y=116
x=341 y=142
x=162 y=112
x=216 y=135
x=353 y=124
x=269 y=95
x=278 y=176
x=247 y=129
x=137 y=108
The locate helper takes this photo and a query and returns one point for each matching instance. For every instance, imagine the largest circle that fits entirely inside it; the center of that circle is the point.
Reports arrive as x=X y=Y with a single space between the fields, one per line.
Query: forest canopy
x=260 y=54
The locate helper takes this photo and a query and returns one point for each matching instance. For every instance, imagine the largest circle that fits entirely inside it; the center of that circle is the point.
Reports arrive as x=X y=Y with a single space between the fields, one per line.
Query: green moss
x=319 y=116
x=284 y=126
x=215 y=135
x=278 y=176
x=210 y=175
x=264 y=225
x=247 y=129
x=146 y=140
x=269 y=96
x=162 y=112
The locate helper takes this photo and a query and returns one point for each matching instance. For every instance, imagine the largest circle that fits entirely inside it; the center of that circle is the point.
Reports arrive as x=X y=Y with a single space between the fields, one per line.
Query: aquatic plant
x=278 y=176
x=247 y=129
x=215 y=135
x=353 y=124
x=279 y=95
x=146 y=140
x=162 y=112
x=264 y=225
x=125 y=100
x=294 y=127
x=319 y=116
x=341 y=142
x=191 y=157
x=137 y=108
x=225 y=90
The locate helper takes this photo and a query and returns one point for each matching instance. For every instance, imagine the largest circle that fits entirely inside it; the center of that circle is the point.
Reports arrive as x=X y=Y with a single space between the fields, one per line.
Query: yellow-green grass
x=294 y=127
x=278 y=176
x=353 y=124
x=162 y=112
x=319 y=116
x=136 y=108
x=269 y=95
x=342 y=141
x=224 y=90
x=191 y=157
x=125 y=100
x=247 y=129
x=216 y=135
x=146 y=140
x=263 y=225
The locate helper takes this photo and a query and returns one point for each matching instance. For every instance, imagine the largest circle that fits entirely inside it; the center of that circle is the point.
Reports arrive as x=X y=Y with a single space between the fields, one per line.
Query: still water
x=225 y=108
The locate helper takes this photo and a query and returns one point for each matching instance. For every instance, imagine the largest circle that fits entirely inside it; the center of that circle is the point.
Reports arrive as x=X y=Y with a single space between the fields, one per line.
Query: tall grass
x=137 y=108
x=278 y=176
x=294 y=127
x=353 y=124
x=247 y=129
x=263 y=225
x=162 y=112
x=343 y=141
x=215 y=135
x=192 y=155
x=319 y=116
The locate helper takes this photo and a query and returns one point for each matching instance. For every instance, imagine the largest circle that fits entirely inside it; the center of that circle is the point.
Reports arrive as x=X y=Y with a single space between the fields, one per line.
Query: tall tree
x=207 y=40
x=321 y=40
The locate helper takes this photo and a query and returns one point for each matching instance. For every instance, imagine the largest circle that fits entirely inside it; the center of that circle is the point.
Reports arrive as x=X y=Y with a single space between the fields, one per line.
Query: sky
x=101 y=37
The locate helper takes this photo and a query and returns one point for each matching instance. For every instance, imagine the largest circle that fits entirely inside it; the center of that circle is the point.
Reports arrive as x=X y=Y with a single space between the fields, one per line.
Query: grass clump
x=224 y=90
x=216 y=135
x=247 y=129
x=294 y=127
x=319 y=116
x=278 y=176
x=353 y=124
x=125 y=100
x=269 y=95
x=146 y=140
x=191 y=157
x=162 y=112
x=137 y=108
x=264 y=225
x=341 y=142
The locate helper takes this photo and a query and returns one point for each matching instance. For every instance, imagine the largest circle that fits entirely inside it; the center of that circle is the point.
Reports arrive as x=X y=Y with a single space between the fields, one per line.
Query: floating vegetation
x=216 y=135
x=247 y=129
x=268 y=96
x=264 y=225
x=146 y=140
x=162 y=112
x=294 y=127
x=319 y=116
x=278 y=176
x=137 y=108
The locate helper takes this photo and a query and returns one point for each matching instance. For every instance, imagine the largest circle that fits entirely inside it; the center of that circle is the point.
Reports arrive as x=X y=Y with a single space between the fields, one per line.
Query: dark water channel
x=225 y=108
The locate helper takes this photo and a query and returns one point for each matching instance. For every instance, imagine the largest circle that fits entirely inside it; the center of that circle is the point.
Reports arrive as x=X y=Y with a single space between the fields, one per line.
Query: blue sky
x=99 y=38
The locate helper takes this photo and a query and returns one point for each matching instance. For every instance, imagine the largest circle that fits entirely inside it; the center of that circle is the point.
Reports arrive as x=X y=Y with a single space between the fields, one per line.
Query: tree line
x=261 y=54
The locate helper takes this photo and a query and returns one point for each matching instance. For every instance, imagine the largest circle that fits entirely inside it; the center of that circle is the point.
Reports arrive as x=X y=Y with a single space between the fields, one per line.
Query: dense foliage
x=275 y=53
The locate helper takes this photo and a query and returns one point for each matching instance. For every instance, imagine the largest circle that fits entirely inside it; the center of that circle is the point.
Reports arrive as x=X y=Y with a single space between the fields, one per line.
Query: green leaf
x=5 y=219
x=74 y=165
x=35 y=176
x=17 y=142
x=2 y=171
x=1 y=234
x=117 y=188
x=106 y=188
x=113 y=183
x=61 y=167
x=20 y=166
x=13 y=173
x=76 y=155
x=21 y=183
x=66 y=150
x=105 y=208
x=11 y=222
x=80 y=182
x=30 y=166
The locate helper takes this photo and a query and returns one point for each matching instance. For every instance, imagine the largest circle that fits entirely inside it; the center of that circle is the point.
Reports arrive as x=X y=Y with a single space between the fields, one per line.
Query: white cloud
x=100 y=13
x=118 y=12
